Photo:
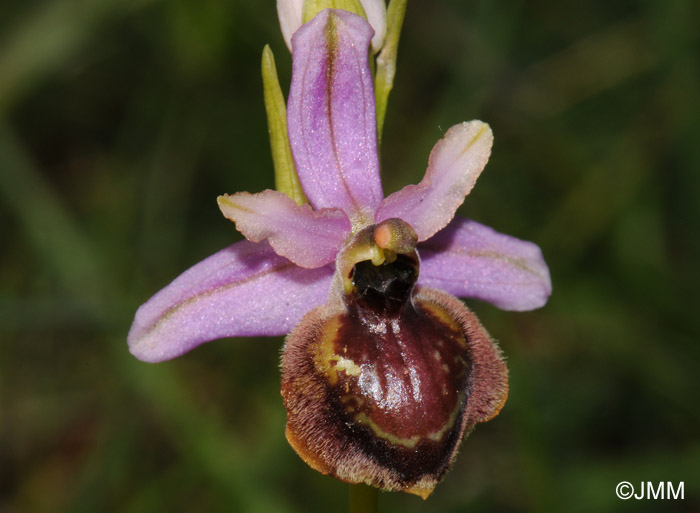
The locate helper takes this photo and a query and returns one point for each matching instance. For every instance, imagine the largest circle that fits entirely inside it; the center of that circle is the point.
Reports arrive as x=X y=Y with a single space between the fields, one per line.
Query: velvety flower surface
x=384 y=370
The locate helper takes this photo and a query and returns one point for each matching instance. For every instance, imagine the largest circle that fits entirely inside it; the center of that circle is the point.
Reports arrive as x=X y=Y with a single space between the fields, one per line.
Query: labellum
x=382 y=382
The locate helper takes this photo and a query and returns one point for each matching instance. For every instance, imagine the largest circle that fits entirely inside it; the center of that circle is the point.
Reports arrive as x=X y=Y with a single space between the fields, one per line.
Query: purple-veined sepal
x=245 y=289
x=468 y=259
x=331 y=115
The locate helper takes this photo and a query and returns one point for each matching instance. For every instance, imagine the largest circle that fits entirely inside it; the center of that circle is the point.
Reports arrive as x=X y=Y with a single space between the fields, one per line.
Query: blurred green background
x=120 y=123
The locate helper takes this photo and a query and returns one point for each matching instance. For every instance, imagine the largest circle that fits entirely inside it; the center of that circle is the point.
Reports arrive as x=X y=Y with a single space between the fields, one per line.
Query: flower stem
x=363 y=499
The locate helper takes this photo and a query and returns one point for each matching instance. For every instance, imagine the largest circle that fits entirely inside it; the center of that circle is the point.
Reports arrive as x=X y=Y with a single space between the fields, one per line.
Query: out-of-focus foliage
x=121 y=122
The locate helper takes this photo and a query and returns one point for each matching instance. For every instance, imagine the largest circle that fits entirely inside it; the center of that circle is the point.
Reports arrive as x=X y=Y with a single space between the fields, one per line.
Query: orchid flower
x=384 y=370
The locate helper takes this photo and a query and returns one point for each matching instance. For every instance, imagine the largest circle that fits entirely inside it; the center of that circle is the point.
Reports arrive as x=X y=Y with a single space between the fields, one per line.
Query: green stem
x=363 y=499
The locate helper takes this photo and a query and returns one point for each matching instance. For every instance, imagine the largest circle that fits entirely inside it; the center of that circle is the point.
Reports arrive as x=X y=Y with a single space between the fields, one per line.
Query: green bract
x=286 y=179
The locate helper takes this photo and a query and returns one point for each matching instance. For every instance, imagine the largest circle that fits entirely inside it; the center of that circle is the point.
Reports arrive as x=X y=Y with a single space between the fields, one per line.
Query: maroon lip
x=383 y=389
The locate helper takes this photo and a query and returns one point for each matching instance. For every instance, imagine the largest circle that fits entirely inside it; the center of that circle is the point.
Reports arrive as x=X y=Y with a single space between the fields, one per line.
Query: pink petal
x=306 y=237
x=376 y=15
x=289 y=13
x=243 y=290
x=453 y=167
x=331 y=114
x=468 y=259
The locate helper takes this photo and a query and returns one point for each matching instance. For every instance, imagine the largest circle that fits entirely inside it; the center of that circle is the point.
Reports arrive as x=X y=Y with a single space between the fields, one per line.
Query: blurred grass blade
x=609 y=57
x=204 y=441
x=45 y=221
x=41 y=43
